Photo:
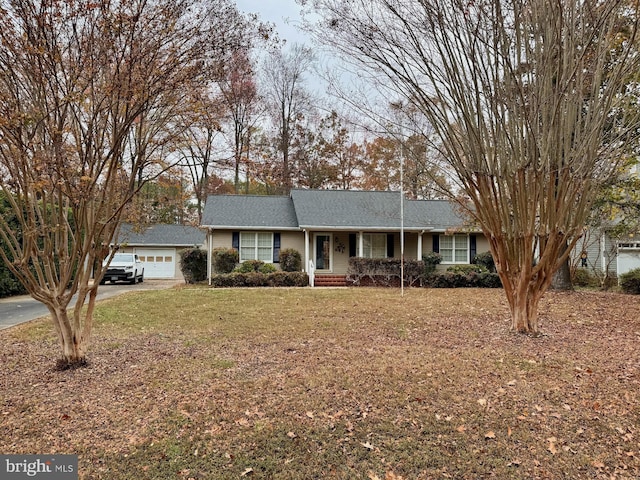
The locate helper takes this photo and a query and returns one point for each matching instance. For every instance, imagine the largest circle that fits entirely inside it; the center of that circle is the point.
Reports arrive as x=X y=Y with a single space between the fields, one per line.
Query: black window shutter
x=276 y=248
x=235 y=240
x=436 y=243
x=390 y=237
x=473 y=247
x=353 y=251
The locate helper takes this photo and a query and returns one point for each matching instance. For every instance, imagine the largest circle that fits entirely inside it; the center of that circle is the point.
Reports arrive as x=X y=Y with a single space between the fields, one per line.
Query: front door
x=323 y=251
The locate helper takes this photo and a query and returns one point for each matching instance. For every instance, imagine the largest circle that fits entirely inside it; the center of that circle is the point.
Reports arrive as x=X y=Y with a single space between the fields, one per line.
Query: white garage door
x=628 y=257
x=158 y=262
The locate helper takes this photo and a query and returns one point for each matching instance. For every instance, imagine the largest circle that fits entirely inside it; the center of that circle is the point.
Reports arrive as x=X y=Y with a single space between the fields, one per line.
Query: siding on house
x=342 y=215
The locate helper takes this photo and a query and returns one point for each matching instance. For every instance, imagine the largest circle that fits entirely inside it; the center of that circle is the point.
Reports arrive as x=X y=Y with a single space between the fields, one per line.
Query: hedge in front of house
x=460 y=280
x=249 y=266
x=257 y=279
x=384 y=272
x=630 y=281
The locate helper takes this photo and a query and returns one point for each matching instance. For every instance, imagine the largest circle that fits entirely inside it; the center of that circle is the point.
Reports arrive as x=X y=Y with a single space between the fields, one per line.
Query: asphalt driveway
x=23 y=308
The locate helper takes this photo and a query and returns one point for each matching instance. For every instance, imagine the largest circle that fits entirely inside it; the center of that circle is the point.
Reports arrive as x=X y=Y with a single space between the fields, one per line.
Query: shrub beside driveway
x=333 y=383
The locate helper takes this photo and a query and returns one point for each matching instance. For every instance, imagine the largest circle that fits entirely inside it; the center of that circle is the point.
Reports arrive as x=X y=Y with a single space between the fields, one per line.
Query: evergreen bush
x=630 y=281
x=431 y=260
x=485 y=259
x=290 y=260
x=224 y=260
x=250 y=266
x=193 y=264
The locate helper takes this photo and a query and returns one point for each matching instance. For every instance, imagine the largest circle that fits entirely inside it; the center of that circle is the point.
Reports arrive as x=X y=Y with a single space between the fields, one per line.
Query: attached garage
x=158 y=262
x=628 y=256
x=159 y=247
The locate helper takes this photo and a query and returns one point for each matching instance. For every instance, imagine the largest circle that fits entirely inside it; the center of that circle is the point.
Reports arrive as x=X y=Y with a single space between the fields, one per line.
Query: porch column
x=419 y=257
x=209 y=253
x=361 y=244
x=306 y=250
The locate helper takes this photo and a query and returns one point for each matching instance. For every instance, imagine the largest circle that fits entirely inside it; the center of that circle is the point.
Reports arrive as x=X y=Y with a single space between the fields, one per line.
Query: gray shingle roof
x=368 y=210
x=253 y=212
x=328 y=209
x=162 y=235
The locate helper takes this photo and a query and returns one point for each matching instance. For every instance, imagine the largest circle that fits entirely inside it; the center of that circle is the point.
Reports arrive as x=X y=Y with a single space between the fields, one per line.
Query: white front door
x=323 y=251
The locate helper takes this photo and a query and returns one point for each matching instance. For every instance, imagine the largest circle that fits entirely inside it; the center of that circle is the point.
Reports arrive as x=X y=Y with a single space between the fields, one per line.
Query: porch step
x=330 y=281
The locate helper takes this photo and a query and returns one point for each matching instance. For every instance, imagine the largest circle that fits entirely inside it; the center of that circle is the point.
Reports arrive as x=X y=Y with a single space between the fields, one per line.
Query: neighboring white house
x=607 y=254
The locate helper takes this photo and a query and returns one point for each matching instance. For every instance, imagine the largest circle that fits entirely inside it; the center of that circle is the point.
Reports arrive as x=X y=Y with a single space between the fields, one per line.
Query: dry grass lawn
x=198 y=383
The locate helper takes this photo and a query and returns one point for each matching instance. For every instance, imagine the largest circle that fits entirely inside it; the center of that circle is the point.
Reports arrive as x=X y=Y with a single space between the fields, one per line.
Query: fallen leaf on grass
x=309 y=414
x=598 y=463
x=367 y=445
x=248 y=471
x=392 y=476
x=482 y=402
x=490 y=435
x=552 y=445
x=461 y=429
x=291 y=435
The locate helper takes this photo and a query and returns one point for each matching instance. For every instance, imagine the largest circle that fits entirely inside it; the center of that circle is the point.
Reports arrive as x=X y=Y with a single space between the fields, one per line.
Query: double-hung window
x=256 y=246
x=374 y=245
x=454 y=248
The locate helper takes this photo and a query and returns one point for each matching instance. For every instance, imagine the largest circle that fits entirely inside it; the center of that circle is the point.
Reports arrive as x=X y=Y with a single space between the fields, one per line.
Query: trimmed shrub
x=193 y=264
x=630 y=281
x=467 y=269
x=268 y=268
x=383 y=272
x=290 y=260
x=460 y=280
x=583 y=277
x=288 y=279
x=251 y=266
x=431 y=260
x=489 y=280
x=224 y=260
x=257 y=279
x=485 y=259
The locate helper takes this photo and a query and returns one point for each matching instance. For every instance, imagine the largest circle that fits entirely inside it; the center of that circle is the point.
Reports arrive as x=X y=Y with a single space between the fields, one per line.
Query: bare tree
x=528 y=100
x=76 y=79
x=284 y=73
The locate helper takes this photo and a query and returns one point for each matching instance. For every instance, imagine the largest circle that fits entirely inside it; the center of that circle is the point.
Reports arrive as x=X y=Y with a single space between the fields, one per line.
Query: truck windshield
x=123 y=257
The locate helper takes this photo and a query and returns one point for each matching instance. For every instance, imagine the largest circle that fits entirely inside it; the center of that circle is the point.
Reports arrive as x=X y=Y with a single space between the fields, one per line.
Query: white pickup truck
x=124 y=266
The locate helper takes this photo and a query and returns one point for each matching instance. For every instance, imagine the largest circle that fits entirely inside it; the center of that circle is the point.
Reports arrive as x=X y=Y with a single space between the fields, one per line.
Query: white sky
x=285 y=14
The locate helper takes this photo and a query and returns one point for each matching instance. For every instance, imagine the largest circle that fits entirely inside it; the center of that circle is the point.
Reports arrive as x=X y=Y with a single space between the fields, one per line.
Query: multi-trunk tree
x=76 y=80
x=529 y=100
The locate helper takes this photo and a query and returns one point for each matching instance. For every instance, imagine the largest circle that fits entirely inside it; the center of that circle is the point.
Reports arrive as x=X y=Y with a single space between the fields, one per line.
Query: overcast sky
x=285 y=14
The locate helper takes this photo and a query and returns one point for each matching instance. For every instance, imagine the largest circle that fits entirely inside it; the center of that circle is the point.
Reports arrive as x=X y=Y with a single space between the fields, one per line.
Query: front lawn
x=355 y=383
